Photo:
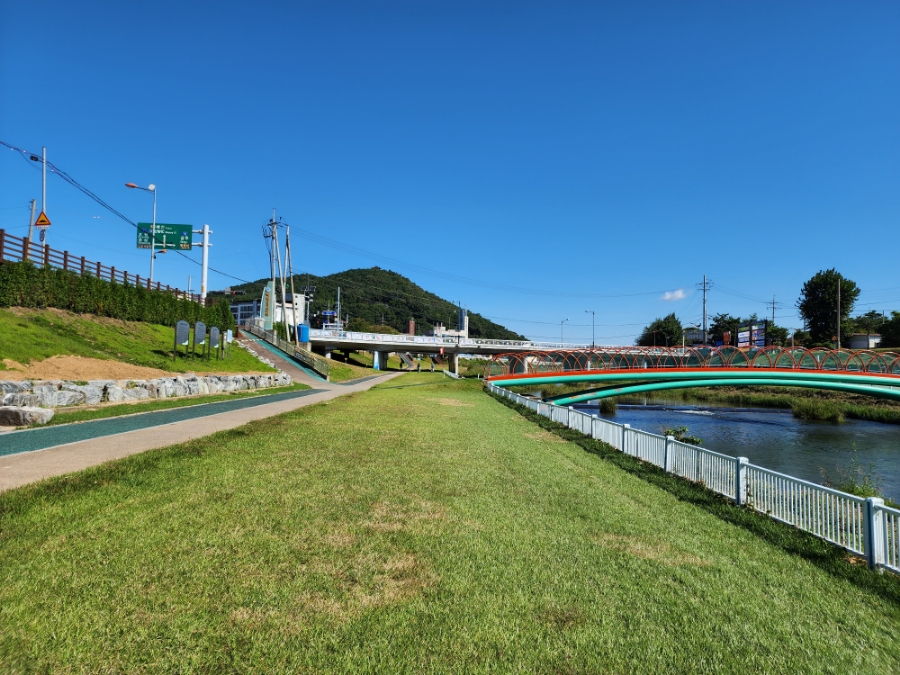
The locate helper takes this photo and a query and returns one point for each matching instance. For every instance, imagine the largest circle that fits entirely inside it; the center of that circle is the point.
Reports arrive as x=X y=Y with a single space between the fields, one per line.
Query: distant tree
x=890 y=331
x=870 y=322
x=801 y=338
x=659 y=331
x=776 y=335
x=818 y=304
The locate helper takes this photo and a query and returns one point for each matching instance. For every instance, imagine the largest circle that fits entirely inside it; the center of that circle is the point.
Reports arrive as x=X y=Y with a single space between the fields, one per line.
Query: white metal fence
x=861 y=525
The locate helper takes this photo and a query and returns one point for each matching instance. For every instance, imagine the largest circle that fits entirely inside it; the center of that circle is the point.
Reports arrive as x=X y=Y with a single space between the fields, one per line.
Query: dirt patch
x=80 y=368
x=648 y=549
x=83 y=369
x=545 y=437
x=452 y=402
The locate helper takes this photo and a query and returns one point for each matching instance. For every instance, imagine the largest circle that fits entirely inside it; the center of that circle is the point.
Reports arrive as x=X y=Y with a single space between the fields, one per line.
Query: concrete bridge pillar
x=328 y=353
x=454 y=364
x=379 y=360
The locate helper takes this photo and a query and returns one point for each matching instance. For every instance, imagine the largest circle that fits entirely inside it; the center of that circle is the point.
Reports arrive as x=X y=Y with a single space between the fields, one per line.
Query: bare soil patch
x=649 y=549
x=83 y=369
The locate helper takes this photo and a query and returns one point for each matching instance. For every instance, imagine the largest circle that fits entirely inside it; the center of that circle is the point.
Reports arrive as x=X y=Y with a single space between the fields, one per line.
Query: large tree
x=661 y=332
x=890 y=331
x=818 y=305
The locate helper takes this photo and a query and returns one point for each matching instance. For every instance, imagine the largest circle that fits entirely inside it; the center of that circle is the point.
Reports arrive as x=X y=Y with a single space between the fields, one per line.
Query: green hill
x=375 y=296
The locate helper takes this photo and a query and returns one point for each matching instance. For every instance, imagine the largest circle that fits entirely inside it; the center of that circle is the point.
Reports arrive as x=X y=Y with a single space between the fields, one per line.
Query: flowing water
x=775 y=439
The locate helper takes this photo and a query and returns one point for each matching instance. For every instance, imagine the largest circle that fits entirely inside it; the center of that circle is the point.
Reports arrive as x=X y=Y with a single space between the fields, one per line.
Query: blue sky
x=527 y=159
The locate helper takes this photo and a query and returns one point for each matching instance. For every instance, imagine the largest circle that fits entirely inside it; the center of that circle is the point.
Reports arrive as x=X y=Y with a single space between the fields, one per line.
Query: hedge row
x=24 y=284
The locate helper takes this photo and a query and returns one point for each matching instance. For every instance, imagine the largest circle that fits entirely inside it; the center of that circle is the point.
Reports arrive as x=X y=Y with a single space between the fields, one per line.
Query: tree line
x=818 y=307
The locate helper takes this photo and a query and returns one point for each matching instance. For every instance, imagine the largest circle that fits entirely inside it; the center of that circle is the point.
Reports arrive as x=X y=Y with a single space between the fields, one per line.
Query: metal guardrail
x=861 y=525
x=307 y=358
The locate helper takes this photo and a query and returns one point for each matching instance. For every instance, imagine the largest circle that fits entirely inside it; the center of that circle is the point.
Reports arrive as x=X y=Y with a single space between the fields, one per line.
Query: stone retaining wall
x=60 y=393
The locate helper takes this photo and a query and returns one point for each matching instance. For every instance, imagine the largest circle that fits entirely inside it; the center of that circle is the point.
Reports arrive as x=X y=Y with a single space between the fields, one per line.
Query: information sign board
x=199 y=333
x=182 y=333
x=167 y=236
x=229 y=336
x=213 y=338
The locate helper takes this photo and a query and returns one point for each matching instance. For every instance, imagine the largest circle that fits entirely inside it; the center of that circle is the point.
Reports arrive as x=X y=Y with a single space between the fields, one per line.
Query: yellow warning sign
x=42 y=220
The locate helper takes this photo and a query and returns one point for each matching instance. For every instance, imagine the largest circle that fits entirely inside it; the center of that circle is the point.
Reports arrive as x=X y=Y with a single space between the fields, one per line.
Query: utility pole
x=593 y=317
x=705 y=286
x=838 y=315
x=773 y=303
x=339 y=306
x=31 y=229
x=204 y=261
x=289 y=263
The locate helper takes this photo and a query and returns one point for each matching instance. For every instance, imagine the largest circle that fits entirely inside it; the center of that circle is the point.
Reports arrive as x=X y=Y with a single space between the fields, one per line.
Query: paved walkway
x=54 y=451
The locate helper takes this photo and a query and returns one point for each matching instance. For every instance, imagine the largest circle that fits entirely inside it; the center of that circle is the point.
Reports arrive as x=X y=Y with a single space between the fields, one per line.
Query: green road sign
x=167 y=236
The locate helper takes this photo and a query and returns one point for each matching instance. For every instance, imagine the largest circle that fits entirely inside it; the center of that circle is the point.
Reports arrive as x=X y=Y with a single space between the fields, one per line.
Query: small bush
x=811 y=409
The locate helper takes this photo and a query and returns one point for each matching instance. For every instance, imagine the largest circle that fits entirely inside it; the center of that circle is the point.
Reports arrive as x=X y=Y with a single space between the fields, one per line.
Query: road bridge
x=381 y=344
x=638 y=370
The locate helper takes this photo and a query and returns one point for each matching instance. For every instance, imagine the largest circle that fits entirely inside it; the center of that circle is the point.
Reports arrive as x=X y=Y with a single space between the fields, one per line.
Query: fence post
x=46 y=255
x=874 y=532
x=2 y=244
x=82 y=265
x=625 y=428
x=112 y=274
x=98 y=270
x=740 y=480
x=66 y=260
x=669 y=458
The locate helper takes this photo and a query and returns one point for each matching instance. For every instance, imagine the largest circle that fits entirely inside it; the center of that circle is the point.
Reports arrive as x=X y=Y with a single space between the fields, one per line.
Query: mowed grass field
x=422 y=526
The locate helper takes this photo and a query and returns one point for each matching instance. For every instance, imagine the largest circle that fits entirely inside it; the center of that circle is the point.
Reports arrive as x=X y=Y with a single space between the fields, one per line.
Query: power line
x=78 y=186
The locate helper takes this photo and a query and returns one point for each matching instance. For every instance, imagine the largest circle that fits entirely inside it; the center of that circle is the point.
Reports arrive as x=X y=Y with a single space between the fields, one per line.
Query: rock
x=67 y=397
x=92 y=395
x=16 y=416
x=46 y=394
x=9 y=387
x=20 y=400
x=135 y=393
x=102 y=384
x=115 y=394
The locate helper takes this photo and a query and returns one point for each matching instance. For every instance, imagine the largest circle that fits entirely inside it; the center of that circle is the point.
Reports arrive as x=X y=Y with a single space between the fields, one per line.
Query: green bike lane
x=29 y=440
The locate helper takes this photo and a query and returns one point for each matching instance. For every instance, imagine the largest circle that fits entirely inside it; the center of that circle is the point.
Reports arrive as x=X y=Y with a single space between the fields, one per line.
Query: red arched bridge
x=637 y=370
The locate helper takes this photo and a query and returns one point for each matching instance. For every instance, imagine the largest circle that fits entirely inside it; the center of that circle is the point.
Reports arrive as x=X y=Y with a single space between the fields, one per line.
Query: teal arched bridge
x=638 y=370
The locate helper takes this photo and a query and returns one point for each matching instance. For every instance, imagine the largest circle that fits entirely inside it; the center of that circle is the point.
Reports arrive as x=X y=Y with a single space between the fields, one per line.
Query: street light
x=562 y=339
x=593 y=315
x=149 y=188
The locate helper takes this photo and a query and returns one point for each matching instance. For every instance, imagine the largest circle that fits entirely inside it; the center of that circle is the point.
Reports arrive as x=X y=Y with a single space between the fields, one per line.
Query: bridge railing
x=307 y=358
x=861 y=525
x=412 y=340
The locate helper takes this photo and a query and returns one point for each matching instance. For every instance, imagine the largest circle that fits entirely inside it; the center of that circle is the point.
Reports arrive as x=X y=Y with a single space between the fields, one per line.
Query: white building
x=864 y=340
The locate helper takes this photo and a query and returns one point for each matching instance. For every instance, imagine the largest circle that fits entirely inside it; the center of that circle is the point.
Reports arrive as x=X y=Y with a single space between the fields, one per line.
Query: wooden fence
x=18 y=249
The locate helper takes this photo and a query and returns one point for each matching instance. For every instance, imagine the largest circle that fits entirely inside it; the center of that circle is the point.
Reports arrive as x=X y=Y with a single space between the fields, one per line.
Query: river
x=775 y=439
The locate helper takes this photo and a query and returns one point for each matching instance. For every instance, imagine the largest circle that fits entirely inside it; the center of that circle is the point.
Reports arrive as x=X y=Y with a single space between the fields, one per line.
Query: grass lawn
x=422 y=526
x=67 y=416
x=28 y=335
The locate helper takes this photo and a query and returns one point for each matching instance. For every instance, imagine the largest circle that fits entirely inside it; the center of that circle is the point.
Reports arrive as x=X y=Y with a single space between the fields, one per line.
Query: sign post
x=182 y=338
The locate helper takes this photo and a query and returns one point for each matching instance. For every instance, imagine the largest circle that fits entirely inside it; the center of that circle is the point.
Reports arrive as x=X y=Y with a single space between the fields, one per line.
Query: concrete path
x=28 y=467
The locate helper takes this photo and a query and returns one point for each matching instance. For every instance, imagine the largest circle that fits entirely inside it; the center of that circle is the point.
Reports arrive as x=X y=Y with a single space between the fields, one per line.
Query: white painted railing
x=389 y=338
x=861 y=525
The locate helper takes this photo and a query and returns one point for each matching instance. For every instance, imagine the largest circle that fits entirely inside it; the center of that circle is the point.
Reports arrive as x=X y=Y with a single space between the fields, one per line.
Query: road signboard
x=168 y=236
x=42 y=220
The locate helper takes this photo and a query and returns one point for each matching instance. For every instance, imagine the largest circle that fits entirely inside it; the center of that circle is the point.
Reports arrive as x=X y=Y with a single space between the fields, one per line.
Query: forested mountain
x=376 y=296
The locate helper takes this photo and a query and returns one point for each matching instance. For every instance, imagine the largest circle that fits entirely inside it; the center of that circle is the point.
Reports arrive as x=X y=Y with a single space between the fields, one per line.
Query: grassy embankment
x=420 y=525
x=28 y=335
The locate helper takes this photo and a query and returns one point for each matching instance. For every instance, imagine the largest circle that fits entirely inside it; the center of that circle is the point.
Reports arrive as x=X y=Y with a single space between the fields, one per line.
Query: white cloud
x=674 y=295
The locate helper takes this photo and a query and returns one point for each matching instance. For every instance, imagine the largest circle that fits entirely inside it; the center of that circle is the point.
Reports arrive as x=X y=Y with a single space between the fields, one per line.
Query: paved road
x=35 y=454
